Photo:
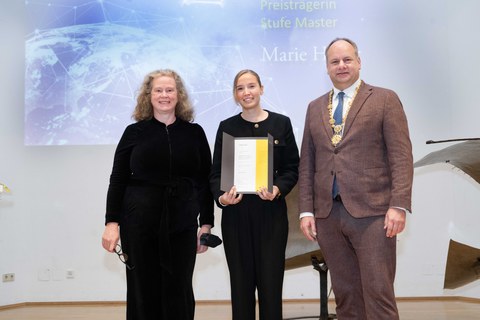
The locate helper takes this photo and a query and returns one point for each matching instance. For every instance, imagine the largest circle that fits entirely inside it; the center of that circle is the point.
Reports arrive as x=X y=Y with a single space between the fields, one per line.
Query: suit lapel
x=326 y=116
x=364 y=92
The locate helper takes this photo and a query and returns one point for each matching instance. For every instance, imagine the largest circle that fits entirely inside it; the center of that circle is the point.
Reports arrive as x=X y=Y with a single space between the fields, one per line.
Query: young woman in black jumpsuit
x=255 y=226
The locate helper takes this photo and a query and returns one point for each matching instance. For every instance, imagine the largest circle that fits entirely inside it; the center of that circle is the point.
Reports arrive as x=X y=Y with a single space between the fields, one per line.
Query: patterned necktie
x=337 y=116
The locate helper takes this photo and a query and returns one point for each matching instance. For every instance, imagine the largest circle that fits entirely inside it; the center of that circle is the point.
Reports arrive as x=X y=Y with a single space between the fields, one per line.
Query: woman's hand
x=264 y=194
x=110 y=237
x=204 y=229
x=231 y=197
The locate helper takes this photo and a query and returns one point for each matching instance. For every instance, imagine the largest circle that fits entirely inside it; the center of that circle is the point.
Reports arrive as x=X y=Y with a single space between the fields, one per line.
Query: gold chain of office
x=338 y=127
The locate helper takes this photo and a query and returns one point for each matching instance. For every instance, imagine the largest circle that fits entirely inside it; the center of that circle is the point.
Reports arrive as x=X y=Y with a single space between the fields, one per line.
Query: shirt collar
x=349 y=92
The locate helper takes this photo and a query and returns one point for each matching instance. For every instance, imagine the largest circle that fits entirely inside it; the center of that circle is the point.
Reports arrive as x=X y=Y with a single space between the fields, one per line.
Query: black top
x=153 y=154
x=285 y=150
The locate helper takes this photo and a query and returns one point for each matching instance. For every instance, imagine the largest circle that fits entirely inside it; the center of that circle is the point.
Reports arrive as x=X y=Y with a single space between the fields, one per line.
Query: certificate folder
x=247 y=163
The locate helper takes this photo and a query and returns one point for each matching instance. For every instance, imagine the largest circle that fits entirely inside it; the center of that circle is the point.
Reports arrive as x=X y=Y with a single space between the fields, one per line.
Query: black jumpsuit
x=255 y=231
x=158 y=189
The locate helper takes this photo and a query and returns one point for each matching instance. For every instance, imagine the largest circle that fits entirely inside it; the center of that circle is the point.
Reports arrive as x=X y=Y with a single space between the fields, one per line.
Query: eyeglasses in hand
x=123 y=257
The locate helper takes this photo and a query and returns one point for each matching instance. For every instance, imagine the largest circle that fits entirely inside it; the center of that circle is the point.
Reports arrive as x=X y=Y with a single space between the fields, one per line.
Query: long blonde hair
x=144 y=109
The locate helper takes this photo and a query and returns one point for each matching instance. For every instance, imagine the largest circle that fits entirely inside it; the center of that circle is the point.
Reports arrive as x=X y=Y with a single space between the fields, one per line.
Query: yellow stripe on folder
x=261 y=164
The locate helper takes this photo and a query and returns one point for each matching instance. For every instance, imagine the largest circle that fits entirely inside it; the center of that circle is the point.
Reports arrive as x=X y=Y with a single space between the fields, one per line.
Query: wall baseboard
x=221 y=302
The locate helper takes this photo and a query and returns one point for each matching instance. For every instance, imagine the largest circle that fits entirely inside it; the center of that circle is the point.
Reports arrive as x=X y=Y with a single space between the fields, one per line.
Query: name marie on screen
x=275 y=54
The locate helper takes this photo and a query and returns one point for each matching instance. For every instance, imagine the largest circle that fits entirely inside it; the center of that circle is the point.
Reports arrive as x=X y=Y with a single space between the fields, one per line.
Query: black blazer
x=285 y=150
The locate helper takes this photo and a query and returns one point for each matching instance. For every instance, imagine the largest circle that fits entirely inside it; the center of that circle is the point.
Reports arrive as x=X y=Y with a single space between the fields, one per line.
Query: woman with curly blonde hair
x=158 y=191
x=144 y=110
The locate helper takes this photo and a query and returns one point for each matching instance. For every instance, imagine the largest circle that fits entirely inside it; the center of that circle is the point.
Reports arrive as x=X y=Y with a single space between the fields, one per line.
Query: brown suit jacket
x=373 y=162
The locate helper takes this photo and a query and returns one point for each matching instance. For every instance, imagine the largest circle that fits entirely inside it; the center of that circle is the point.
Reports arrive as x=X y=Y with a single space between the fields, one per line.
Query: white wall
x=53 y=219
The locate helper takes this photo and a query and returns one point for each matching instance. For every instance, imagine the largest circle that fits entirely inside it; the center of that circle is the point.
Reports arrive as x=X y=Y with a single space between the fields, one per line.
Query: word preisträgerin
x=291 y=5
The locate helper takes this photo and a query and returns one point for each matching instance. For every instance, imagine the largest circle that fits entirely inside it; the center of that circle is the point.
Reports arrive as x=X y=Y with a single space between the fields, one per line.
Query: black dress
x=255 y=231
x=158 y=191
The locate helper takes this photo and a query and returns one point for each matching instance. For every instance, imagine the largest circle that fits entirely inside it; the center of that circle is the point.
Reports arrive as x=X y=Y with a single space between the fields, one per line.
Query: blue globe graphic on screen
x=81 y=81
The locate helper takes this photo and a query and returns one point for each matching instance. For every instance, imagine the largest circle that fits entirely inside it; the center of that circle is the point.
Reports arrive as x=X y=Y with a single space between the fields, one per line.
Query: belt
x=337 y=198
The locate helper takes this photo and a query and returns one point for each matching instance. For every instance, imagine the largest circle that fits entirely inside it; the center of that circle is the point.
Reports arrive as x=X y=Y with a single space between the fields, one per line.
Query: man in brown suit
x=368 y=156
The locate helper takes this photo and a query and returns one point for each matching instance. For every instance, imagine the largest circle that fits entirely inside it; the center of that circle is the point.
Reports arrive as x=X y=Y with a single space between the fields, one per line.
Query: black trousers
x=255 y=237
x=153 y=293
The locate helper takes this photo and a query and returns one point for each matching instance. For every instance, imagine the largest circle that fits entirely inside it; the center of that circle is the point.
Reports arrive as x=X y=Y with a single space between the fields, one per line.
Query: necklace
x=338 y=127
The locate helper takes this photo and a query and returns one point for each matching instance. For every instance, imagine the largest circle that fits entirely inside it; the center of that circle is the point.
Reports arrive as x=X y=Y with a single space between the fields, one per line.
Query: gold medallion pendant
x=338 y=128
x=336 y=139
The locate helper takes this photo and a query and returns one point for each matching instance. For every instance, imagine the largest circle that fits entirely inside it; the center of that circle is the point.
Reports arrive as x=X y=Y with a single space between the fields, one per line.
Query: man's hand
x=394 y=221
x=307 y=225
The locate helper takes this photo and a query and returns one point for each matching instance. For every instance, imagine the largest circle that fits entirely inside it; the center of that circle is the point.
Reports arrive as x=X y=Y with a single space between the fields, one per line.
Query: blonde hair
x=144 y=109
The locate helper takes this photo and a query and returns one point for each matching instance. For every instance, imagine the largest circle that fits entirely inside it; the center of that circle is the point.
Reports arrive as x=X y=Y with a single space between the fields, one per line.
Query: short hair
x=241 y=73
x=144 y=109
x=354 y=45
